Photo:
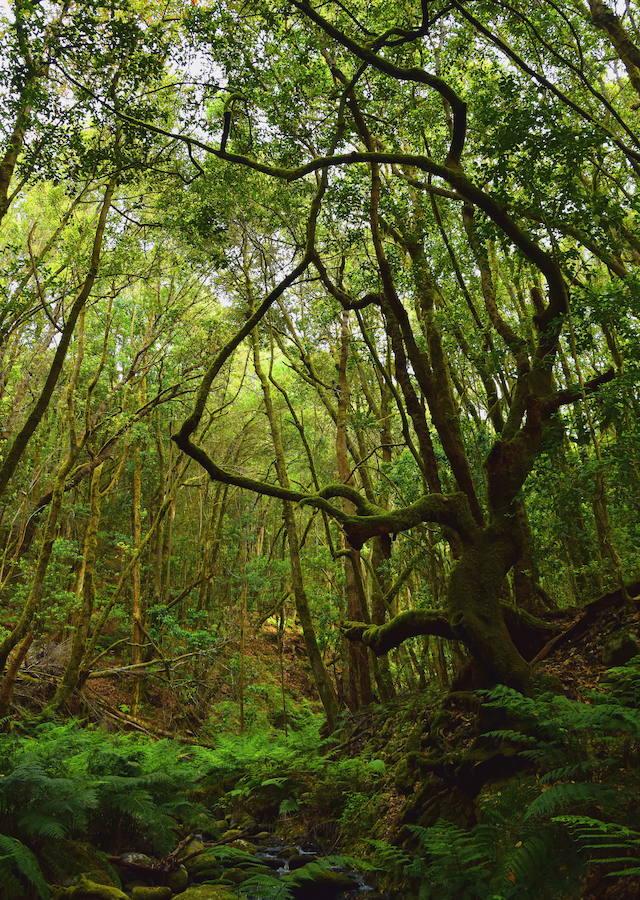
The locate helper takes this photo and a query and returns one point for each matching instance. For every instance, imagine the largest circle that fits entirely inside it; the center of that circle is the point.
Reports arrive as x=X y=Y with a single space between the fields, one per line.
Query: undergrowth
x=128 y=792
x=572 y=819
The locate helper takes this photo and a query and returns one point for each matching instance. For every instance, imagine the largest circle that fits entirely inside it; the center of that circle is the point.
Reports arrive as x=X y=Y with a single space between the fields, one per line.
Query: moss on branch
x=414 y=622
x=528 y=632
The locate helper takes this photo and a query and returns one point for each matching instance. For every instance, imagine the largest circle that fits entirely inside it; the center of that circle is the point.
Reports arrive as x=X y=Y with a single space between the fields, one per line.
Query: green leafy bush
x=538 y=836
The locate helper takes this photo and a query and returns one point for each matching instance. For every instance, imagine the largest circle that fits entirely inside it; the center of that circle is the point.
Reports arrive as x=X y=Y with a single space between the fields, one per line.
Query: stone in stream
x=237 y=875
x=273 y=862
x=65 y=861
x=232 y=834
x=86 y=889
x=208 y=892
x=298 y=860
x=218 y=862
x=241 y=844
x=314 y=881
x=145 y=892
x=178 y=879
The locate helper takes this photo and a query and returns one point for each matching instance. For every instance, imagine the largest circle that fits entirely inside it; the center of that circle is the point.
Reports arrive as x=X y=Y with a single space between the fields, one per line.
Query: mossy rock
x=298 y=860
x=208 y=892
x=232 y=834
x=409 y=770
x=205 y=867
x=86 y=889
x=237 y=875
x=620 y=648
x=151 y=893
x=248 y=824
x=240 y=844
x=263 y=836
x=70 y=859
x=317 y=881
x=178 y=880
x=203 y=824
x=211 y=872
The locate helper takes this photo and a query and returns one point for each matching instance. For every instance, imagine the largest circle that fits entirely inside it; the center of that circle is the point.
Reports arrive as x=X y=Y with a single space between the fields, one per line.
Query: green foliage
x=537 y=835
x=19 y=868
x=118 y=791
x=602 y=839
x=265 y=887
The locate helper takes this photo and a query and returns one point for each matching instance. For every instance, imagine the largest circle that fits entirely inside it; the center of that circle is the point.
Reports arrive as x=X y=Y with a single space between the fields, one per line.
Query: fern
x=598 y=838
x=535 y=837
x=389 y=857
x=265 y=887
x=562 y=796
x=18 y=865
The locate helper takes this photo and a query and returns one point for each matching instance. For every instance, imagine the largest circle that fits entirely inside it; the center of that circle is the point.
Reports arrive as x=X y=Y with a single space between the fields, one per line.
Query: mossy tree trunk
x=85 y=591
x=358 y=676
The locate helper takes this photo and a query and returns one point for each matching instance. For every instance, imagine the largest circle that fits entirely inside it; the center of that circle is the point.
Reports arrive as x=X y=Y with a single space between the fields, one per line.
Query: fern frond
x=16 y=858
x=562 y=796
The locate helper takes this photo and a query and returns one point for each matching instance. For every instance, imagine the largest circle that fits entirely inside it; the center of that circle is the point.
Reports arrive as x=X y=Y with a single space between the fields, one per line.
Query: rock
x=209 y=867
x=151 y=893
x=316 y=882
x=262 y=836
x=231 y=834
x=71 y=859
x=237 y=875
x=178 y=880
x=203 y=824
x=298 y=860
x=208 y=892
x=86 y=889
x=205 y=867
x=619 y=649
x=195 y=845
x=138 y=859
x=240 y=844
x=248 y=824
x=273 y=862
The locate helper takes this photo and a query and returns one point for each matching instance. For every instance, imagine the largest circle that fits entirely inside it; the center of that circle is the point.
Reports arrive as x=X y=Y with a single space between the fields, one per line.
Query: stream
x=278 y=857
x=244 y=868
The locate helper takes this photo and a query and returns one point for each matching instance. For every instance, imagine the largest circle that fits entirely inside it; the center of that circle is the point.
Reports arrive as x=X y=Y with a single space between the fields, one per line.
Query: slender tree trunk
x=20 y=442
x=242 y=626
x=16 y=658
x=26 y=620
x=320 y=675
x=607 y=21
x=358 y=678
x=85 y=590
x=137 y=610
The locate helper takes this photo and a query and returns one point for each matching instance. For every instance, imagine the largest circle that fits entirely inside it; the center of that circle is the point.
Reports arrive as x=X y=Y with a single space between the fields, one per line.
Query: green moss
x=208 y=892
x=178 y=879
x=151 y=893
x=86 y=889
x=315 y=880
x=66 y=860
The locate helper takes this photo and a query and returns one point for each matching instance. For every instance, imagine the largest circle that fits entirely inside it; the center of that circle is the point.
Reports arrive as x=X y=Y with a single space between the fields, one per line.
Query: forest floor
x=297 y=815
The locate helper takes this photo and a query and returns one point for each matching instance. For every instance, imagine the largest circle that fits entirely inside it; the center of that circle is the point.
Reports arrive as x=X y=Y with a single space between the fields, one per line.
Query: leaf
x=24 y=861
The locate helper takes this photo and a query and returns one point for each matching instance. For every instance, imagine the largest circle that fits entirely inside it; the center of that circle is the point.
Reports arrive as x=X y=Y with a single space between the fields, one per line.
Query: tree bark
x=320 y=675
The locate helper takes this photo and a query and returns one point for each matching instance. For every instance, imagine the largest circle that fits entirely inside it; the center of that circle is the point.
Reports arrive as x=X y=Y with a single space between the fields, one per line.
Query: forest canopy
x=319 y=327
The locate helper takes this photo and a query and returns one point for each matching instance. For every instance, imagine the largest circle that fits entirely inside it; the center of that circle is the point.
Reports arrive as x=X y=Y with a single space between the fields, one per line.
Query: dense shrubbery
x=573 y=815
x=129 y=792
